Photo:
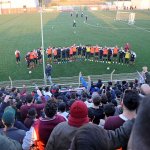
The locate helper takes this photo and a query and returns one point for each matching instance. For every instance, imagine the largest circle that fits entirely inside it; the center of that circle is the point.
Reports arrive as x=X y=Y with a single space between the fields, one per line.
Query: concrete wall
x=18 y=4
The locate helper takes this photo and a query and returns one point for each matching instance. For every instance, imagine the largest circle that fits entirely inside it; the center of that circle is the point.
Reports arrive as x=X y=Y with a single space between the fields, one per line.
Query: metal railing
x=71 y=81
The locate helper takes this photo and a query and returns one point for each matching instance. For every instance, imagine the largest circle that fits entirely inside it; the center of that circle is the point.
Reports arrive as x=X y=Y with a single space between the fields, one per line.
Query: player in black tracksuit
x=121 y=56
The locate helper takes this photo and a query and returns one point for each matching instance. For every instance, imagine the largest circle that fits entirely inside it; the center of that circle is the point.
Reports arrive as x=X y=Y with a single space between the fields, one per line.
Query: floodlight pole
x=41 y=15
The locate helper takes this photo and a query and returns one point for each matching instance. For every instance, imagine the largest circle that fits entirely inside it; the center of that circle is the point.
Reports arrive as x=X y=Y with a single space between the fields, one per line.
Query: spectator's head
x=47 y=89
x=109 y=109
x=62 y=107
x=104 y=99
x=91 y=115
x=145 y=89
x=109 y=96
x=8 y=117
x=140 y=137
x=96 y=100
x=99 y=81
x=136 y=81
x=69 y=104
x=40 y=88
x=78 y=114
x=124 y=82
x=109 y=83
x=131 y=100
x=14 y=90
x=114 y=102
x=1 y=94
x=144 y=69
x=29 y=98
x=73 y=95
x=13 y=102
x=94 y=94
x=90 y=137
x=50 y=109
x=32 y=113
x=131 y=85
x=3 y=89
x=118 y=94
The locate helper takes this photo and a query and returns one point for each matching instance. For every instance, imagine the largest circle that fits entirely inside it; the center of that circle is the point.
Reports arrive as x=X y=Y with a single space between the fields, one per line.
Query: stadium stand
x=21 y=112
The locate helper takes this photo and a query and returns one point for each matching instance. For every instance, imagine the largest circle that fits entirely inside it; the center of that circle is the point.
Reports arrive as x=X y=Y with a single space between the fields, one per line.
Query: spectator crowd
x=103 y=117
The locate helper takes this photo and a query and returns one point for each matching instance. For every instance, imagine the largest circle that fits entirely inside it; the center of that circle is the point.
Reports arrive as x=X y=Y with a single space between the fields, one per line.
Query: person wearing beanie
x=8 y=119
x=63 y=133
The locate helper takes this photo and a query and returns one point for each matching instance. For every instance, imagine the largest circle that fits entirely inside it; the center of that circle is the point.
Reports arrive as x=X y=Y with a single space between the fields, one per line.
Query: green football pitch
x=22 y=32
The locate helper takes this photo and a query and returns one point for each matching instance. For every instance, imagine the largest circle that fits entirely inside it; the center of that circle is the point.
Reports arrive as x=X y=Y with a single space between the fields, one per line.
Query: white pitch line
x=99 y=26
x=141 y=28
x=136 y=27
x=106 y=27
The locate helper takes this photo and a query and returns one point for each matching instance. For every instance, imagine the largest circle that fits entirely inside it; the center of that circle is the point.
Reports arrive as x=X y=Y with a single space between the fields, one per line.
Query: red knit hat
x=78 y=114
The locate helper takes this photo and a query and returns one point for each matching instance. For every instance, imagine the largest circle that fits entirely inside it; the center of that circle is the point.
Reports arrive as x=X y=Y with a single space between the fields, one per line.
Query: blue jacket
x=48 y=70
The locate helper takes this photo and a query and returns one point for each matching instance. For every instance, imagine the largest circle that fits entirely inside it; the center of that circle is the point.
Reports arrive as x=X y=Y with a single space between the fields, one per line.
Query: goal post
x=131 y=18
x=125 y=16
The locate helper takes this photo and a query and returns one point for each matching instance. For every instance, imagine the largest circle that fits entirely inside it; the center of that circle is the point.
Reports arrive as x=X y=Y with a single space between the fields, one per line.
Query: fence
x=70 y=81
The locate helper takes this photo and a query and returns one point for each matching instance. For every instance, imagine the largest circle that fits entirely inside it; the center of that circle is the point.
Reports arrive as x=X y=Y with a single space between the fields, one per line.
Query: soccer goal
x=126 y=16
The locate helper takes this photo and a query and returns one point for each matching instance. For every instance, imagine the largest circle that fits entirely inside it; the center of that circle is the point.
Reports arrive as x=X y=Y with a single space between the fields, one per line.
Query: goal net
x=126 y=16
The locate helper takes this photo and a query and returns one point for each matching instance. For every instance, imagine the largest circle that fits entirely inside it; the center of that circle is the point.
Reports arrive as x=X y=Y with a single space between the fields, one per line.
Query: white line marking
x=135 y=27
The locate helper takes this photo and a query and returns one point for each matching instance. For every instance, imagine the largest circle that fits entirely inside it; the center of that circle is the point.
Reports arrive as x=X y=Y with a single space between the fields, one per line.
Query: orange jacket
x=115 y=50
x=55 y=52
x=96 y=49
x=71 y=51
x=49 y=51
x=105 y=51
x=92 y=50
x=74 y=49
x=31 y=56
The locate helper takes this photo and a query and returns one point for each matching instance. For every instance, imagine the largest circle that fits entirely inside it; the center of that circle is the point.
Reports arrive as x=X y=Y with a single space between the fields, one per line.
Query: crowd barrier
x=70 y=81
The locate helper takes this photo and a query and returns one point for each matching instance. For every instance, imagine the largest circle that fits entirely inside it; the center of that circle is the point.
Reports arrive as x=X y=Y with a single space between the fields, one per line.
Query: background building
x=18 y=6
x=141 y=4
